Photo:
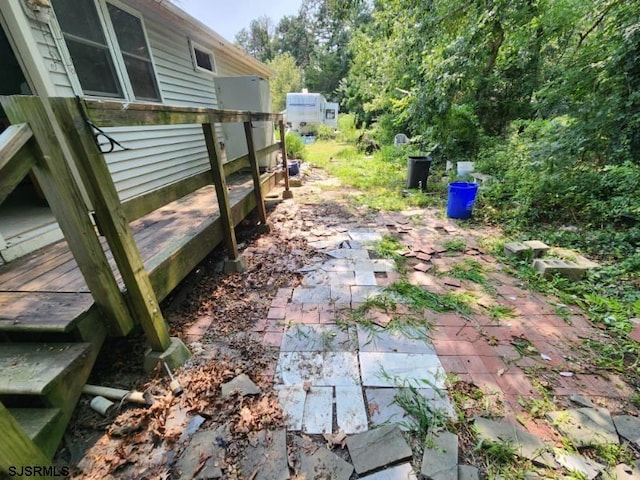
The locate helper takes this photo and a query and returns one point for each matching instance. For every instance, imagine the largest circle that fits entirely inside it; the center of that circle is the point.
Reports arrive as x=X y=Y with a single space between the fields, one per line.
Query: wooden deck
x=45 y=291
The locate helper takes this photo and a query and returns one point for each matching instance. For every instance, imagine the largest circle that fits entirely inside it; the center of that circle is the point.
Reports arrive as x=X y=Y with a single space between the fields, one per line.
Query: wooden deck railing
x=53 y=136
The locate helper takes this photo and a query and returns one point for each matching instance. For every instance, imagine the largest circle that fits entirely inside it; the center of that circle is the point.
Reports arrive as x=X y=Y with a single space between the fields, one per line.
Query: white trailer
x=305 y=110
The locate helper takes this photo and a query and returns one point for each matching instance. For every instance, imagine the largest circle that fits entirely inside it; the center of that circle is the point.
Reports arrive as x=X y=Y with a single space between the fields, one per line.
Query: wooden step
x=44 y=426
x=34 y=368
x=43 y=312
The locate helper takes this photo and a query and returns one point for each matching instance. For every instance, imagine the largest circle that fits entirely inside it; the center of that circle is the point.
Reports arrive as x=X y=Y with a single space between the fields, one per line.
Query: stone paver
x=319 y=368
x=291 y=399
x=527 y=445
x=468 y=472
x=399 y=472
x=383 y=369
x=364 y=236
x=440 y=461
x=315 y=338
x=325 y=464
x=577 y=463
x=318 y=410
x=585 y=426
x=241 y=384
x=377 y=448
x=407 y=340
x=622 y=472
x=351 y=415
x=628 y=427
x=203 y=445
x=319 y=294
x=266 y=456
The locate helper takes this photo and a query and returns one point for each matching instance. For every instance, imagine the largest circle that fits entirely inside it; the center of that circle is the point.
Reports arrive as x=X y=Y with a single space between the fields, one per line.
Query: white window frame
x=192 y=48
x=122 y=76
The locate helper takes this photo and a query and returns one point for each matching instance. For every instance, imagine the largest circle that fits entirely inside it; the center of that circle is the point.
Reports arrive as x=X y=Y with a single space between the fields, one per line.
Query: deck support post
x=285 y=164
x=113 y=222
x=235 y=263
x=66 y=202
x=255 y=174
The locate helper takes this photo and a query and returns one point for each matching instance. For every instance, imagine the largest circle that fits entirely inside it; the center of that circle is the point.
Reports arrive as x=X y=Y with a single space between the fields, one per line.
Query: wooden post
x=66 y=202
x=220 y=182
x=285 y=164
x=16 y=448
x=113 y=221
x=255 y=173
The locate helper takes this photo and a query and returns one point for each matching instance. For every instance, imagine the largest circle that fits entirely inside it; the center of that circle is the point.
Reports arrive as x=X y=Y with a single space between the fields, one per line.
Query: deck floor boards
x=47 y=290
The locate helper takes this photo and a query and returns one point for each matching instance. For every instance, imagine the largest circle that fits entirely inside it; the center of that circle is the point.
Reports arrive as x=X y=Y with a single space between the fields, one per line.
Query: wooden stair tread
x=42 y=311
x=32 y=368
x=35 y=420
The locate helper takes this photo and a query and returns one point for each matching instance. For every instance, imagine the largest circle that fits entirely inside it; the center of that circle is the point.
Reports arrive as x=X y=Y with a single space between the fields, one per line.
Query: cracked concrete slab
x=318 y=368
x=267 y=460
x=406 y=340
x=315 y=338
x=440 y=461
x=325 y=464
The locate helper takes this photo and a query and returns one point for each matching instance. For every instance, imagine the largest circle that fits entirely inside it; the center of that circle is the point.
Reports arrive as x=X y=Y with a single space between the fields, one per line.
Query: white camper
x=304 y=110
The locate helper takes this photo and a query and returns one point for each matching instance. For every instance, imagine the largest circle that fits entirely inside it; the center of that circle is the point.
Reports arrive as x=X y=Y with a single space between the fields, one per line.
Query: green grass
x=469 y=270
x=419 y=298
x=380 y=178
x=455 y=245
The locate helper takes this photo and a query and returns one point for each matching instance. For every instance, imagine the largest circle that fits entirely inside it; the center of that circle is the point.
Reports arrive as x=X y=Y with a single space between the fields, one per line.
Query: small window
x=202 y=58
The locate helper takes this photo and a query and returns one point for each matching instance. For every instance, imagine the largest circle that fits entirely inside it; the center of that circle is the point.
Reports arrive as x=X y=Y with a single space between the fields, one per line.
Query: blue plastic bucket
x=461 y=197
x=294 y=168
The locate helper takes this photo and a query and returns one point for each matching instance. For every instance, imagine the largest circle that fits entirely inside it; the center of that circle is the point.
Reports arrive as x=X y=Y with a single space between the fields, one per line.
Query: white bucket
x=464 y=168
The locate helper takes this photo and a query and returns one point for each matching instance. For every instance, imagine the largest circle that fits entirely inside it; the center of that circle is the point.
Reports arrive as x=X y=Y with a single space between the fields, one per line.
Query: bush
x=325 y=132
x=347 y=128
x=295 y=146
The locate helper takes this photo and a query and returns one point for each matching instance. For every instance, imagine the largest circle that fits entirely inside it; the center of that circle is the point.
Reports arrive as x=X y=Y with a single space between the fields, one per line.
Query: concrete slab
x=547 y=267
x=408 y=340
x=628 y=427
x=585 y=426
x=364 y=236
x=383 y=409
x=362 y=293
x=537 y=247
x=467 y=472
x=352 y=253
x=267 y=460
x=622 y=472
x=365 y=278
x=324 y=464
x=350 y=411
x=341 y=278
x=291 y=399
x=341 y=294
x=403 y=471
x=203 y=445
x=315 y=338
x=319 y=294
x=440 y=462
x=382 y=369
x=318 y=411
x=319 y=368
x=377 y=448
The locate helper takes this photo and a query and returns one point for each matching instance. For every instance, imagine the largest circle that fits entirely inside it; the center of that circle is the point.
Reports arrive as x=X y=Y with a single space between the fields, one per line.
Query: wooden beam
x=12 y=140
x=220 y=183
x=113 y=114
x=16 y=168
x=16 y=448
x=139 y=206
x=113 y=221
x=239 y=163
x=255 y=173
x=64 y=197
x=283 y=147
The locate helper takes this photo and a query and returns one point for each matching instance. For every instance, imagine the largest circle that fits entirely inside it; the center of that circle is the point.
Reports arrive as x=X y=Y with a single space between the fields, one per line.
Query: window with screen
x=87 y=45
x=135 y=53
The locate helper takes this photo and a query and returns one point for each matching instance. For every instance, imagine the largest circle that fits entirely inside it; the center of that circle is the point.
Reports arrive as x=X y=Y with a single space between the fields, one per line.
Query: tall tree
x=258 y=39
x=287 y=78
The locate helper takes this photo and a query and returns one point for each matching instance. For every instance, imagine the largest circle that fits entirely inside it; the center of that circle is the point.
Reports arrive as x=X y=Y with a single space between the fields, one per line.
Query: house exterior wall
x=156 y=156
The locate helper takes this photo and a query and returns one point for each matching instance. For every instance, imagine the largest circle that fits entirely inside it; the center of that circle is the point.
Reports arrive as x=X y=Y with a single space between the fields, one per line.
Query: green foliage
x=295 y=146
x=455 y=245
x=347 y=128
x=287 y=78
x=420 y=298
x=325 y=132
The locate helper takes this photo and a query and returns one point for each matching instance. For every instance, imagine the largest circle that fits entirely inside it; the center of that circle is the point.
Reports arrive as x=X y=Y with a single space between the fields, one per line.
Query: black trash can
x=418 y=172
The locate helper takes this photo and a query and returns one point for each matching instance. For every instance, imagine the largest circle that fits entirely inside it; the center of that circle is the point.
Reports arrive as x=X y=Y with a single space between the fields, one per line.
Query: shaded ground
x=508 y=353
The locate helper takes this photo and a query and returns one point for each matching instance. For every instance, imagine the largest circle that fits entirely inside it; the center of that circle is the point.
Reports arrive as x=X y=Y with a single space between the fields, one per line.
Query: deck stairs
x=44 y=366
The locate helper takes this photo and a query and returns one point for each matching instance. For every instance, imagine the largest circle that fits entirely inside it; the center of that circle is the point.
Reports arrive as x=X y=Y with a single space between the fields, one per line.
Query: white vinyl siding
x=51 y=58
